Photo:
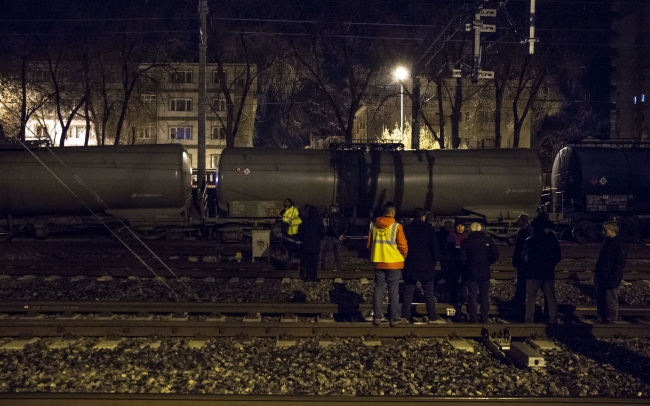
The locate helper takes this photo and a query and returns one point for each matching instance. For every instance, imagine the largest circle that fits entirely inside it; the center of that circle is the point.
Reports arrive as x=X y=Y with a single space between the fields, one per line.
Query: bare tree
x=530 y=79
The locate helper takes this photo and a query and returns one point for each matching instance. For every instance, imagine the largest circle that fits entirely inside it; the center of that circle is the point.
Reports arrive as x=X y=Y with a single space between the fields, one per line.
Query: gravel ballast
x=271 y=291
x=428 y=367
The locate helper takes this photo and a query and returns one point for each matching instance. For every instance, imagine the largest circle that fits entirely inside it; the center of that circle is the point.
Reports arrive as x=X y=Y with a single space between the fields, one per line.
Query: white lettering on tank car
x=145 y=195
x=519 y=191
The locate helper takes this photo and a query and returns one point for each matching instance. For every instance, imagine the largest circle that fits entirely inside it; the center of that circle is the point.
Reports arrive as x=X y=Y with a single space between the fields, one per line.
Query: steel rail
x=83 y=307
x=275 y=329
x=105 y=399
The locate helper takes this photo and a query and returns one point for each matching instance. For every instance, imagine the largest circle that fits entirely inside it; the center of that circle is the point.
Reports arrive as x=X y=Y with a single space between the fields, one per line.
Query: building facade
x=163 y=109
x=476 y=122
x=169 y=109
x=630 y=78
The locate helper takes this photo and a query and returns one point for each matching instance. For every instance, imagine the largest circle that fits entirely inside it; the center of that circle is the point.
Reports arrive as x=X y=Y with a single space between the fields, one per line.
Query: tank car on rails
x=48 y=190
x=590 y=185
x=493 y=186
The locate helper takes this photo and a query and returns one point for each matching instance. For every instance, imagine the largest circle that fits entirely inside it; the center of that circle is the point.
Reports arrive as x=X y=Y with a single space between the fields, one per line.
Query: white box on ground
x=261 y=244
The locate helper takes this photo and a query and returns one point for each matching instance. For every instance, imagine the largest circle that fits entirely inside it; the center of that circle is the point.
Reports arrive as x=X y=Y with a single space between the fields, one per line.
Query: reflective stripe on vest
x=384 y=245
x=291 y=217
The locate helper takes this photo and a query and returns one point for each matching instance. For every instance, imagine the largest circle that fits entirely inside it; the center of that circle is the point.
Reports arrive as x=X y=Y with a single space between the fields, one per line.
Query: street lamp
x=400 y=74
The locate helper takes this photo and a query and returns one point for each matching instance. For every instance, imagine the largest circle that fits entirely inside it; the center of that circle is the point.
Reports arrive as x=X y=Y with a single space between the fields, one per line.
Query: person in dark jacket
x=442 y=235
x=420 y=265
x=336 y=229
x=540 y=254
x=525 y=230
x=477 y=253
x=609 y=272
x=310 y=236
x=455 y=276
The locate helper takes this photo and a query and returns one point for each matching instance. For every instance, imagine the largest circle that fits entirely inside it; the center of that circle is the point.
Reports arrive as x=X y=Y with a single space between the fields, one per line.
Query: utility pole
x=478 y=26
x=531 y=29
x=203 y=11
x=415 y=113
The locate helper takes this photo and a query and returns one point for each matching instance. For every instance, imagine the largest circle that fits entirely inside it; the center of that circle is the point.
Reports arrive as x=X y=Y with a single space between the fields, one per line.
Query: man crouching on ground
x=388 y=249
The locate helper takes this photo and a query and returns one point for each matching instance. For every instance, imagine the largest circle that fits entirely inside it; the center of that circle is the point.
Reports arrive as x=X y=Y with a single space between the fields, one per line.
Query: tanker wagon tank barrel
x=591 y=185
x=493 y=185
x=147 y=186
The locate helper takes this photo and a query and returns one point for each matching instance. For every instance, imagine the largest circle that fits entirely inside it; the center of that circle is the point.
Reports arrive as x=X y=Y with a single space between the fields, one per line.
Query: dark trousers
x=292 y=247
x=548 y=287
x=332 y=244
x=444 y=270
x=607 y=304
x=310 y=263
x=407 y=299
x=454 y=283
x=478 y=291
x=381 y=277
x=520 y=290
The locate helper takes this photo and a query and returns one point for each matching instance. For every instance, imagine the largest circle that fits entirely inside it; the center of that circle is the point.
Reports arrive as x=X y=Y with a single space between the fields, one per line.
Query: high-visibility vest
x=384 y=244
x=292 y=218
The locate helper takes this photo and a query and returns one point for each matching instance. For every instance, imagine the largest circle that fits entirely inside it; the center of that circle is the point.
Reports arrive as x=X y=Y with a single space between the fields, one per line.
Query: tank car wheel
x=151 y=235
x=585 y=232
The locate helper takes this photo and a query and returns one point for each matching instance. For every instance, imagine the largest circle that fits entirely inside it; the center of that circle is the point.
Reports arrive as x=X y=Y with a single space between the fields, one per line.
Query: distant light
x=634 y=99
x=401 y=73
x=643 y=98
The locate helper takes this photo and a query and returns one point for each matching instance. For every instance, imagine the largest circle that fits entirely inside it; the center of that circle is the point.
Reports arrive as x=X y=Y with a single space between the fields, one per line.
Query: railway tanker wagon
x=496 y=185
x=591 y=185
x=147 y=186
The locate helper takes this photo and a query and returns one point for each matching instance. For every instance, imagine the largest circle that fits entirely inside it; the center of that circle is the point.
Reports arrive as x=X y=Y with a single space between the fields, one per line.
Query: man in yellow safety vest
x=388 y=249
x=290 y=222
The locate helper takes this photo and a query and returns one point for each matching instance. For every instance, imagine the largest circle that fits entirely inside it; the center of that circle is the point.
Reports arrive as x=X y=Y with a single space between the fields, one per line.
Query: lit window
x=214 y=160
x=180 y=105
x=40 y=131
x=634 y=99
x=147 y=132
x=76 y=132
x=181 y=133
x=643 y=98
x=181 y=77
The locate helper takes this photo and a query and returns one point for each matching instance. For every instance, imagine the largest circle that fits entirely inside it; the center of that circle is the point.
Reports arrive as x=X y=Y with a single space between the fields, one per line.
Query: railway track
x=274 y=319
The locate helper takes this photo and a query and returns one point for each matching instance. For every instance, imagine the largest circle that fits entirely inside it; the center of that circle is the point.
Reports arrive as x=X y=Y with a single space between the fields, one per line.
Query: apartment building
x=630 y=78
x=168 y=109
x=163 y=109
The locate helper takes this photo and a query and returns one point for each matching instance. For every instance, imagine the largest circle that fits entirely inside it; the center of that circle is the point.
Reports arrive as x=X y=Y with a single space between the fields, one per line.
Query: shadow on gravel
x=620 y=357
x=348 y=302
x=340 y=295
x=588 y=290
x=298 y=296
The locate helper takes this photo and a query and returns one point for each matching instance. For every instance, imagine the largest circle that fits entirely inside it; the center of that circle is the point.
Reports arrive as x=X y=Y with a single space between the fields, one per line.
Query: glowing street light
x=400 y=74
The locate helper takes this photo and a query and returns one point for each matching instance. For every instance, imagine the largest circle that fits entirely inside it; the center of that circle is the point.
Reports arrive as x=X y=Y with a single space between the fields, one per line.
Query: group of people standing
x=303 y=233
x=537 y=252
x=465 y=257
x=414 y=249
